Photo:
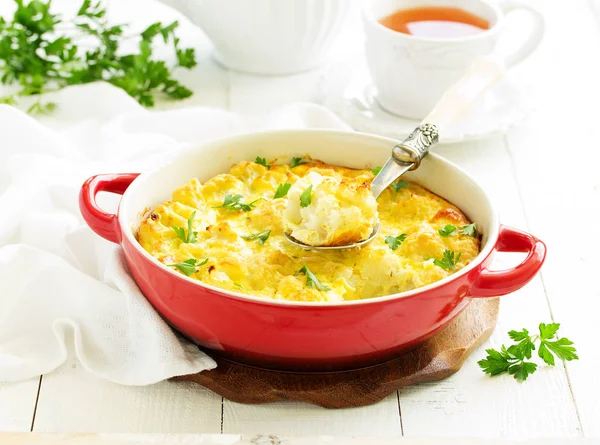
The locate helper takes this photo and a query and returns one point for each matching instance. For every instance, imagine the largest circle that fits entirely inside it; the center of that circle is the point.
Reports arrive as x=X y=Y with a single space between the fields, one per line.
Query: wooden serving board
x=437 y=358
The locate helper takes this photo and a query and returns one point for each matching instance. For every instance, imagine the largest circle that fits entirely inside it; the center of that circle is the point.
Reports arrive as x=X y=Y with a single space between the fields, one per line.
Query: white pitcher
x=268 y=36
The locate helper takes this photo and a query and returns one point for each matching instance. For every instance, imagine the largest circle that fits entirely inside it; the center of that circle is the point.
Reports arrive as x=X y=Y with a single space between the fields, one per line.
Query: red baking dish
x=306 y=335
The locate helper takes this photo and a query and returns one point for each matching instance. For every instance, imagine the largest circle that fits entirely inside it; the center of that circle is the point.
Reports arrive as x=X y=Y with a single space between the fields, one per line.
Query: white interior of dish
x=355 y=150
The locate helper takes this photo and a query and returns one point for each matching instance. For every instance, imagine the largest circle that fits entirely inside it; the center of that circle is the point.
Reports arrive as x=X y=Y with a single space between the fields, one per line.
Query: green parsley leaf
x=395 y=241
x=376 y=170
x=495 y=363
x=190 y=236
x=512 y=359
x=448 y=261
x=297 y=161
x=396 y=186
x=232 y=202
x=282 y=190
x=470 y=230
x=522 y=369
x=260 y=236
x=447 y=230
x=305 y=198
x=188 y=267
x=311 y=279
x=562 y=348
x=548 y=331
x=263 y=162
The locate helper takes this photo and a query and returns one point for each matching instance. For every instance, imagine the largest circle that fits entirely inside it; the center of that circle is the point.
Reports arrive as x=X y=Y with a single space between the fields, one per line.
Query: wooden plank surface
x=557 y=161
x=73 y=400
x=257 y=439
x=470 y=403
x=17 y=404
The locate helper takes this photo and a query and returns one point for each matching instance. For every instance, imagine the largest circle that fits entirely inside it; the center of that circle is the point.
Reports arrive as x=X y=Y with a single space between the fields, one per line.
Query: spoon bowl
x=297 y=243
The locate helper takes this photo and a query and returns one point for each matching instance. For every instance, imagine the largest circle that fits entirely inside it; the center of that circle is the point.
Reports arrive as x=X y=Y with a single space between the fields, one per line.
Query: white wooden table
x=544 y=177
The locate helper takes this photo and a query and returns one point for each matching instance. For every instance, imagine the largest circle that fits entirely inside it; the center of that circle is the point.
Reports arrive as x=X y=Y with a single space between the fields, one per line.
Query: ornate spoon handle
x=408 y=154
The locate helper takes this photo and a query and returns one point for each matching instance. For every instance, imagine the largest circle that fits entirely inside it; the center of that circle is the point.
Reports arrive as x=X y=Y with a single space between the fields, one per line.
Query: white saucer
x=349 y=93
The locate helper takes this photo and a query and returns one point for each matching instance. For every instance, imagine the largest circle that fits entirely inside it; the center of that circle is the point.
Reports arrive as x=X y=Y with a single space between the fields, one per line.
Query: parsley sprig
x=190 y=236
x=39 y=51
x=188 y=267
x=295 y=162
x=260 y=236
x=394 y=241
x=305 y=197
x=282 y=190
x=396 y=186
x=311 y=280
x=447 y=230
x=232 y=202
x=448 y=261
x=470 y=230
x=513 y=359
x=263 y=162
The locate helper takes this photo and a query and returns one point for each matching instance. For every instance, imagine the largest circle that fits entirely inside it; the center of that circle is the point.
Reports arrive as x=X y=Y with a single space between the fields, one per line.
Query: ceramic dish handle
x=495 y=283
x=104 y=224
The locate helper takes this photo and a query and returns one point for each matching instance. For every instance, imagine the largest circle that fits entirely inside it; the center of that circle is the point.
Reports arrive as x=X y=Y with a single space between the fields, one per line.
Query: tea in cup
x=416 y=49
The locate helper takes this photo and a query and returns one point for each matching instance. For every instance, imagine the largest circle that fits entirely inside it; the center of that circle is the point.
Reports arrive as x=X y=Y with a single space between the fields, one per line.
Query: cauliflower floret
x=334 y=212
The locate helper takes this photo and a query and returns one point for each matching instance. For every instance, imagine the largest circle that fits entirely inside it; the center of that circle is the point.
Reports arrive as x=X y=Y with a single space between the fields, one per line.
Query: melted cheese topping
x=270 y=270
x=341 y=210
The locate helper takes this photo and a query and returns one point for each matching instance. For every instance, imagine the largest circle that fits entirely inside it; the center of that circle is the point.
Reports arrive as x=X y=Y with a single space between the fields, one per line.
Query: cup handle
x=104 y=224
x=493 y=283
x=535 y=36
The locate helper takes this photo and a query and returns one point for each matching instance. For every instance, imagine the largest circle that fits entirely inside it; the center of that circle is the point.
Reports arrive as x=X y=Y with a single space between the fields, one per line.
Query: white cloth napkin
x=62 y=287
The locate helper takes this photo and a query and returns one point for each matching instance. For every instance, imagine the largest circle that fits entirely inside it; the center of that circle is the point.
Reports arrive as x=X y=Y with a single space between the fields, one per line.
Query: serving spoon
x=408 y=154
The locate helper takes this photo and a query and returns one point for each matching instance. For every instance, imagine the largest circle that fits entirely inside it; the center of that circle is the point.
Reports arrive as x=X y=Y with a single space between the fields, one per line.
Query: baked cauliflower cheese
x=228 y=232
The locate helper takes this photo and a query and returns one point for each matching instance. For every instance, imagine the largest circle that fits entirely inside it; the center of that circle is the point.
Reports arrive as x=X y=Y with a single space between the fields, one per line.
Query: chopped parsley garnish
x=448 y=261
x=396 y=186
x=376 y=170
x=447 y=230
x=297 y=161
x=263 y=162
x=470 y=229
x=513 y=358
x=190 y=236
x=305 y=198
x=282 y=190
x=311 y=279
x=232 y=202
x=395 y=241
x=260 y=236
x=190 y=266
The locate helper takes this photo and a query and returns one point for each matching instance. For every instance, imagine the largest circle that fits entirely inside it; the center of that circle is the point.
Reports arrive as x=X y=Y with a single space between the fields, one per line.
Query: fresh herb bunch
x=41 y=52
x=514 y=358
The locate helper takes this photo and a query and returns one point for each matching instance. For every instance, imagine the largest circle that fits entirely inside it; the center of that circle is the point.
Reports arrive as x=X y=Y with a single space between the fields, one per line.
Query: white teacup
x=411 y=72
